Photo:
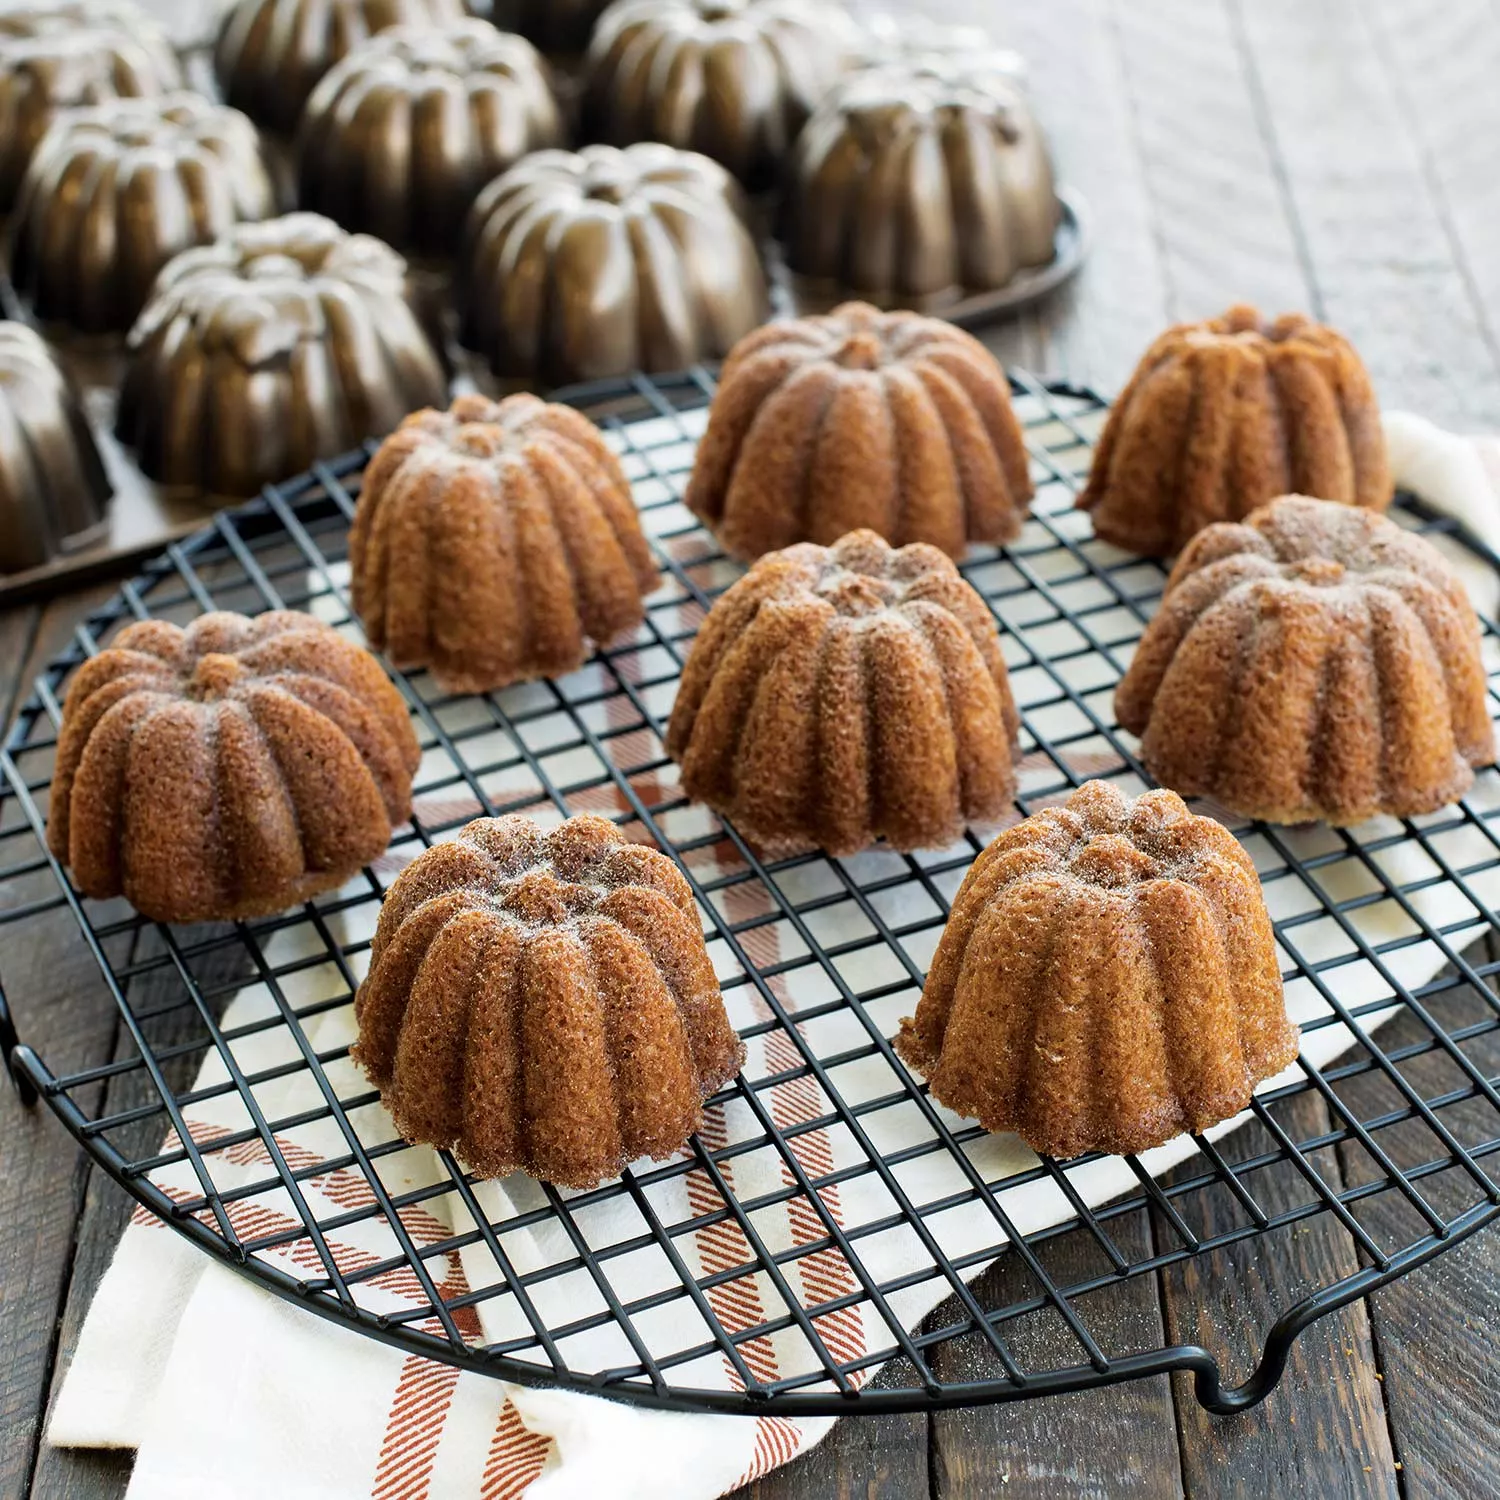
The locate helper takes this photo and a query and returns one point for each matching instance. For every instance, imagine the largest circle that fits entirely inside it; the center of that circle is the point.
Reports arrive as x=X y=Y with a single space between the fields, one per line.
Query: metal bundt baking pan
x=775 y=1233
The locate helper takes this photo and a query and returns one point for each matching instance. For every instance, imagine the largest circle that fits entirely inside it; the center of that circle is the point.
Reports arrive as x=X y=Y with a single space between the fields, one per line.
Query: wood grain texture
x=1052 y=1447
x=61 y=1008
x=1383 y=263
x=1322 y=1431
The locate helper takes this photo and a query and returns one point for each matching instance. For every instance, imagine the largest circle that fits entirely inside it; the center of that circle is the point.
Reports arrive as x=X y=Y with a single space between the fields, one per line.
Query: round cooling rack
x=829 y=1219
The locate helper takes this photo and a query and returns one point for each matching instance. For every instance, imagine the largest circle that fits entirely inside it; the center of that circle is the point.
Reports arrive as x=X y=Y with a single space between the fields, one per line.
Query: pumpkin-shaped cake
x=69 y=53
x=734 y=79
x=1317 y=661
x=270 y=54
x=914 y=184
x=398 y=137
x=494 y=541
x=544 y=1002
x=286 y=342
x=1221 y=417
x=53 y=484
x=1107 y=979
x=839 y=695
x=115 y=190
x=891 y=421
x=228 y=770
x=588 y=264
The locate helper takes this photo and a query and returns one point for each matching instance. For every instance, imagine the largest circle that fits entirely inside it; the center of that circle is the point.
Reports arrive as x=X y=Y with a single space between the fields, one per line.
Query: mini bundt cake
x=68 y=53
x=839 y=695
x=54 y=488
x=494 y=540
x=270 y=54
x=115 y=190
x=1107 y=979
x=283 y=343
x=890 y=421
x=734 y=79
x=588 y=264
x=228 y=770
x=1315 y=662
x=919 y=182
x=544 y=1002
x=1222 y=416
x=399 y=137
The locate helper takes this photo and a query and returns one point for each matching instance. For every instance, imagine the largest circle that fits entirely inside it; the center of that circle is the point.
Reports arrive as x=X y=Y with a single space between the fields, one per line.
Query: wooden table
x=1334 y=155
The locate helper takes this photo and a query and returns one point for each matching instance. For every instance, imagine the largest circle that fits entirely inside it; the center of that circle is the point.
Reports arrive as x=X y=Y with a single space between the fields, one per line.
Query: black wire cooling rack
x=832 y=1218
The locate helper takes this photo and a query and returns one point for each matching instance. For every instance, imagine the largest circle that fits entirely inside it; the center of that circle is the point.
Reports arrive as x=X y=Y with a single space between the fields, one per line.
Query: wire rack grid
x=830 y=1218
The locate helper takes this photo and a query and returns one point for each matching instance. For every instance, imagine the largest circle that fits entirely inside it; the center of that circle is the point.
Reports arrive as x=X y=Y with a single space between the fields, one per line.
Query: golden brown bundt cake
x=892 y=421
x=1222 y=416
x=494 y=540
x=839 y=695
x=1314 y=662
x=1107 y=979
x=228 y=770
x=544 y=1002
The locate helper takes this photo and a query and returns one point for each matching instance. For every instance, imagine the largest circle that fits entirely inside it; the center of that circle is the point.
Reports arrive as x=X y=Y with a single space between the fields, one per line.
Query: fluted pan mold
x=270 y=54
x=589 y=264
x=734 y=79
x=54 y=491
x=228 y=770
x=919 y=182
x=1107 y=979
x=66 y=54
x=891 y=421
x=285 y=342
x=840 y=695
x=116 y=190
x=1315 y=662
x=1224 y=415
x=399 y=137
x=495 y=541
x=544 y=1002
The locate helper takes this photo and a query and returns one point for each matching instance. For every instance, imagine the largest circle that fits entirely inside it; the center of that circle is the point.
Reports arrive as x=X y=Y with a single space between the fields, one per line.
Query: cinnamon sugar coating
x=839 y=695
x=493 y=541
x=1315 y=662
x=1107 y=979
x=544 y=1002
x=891 y=421
x=228 y=770
x=1224 y=415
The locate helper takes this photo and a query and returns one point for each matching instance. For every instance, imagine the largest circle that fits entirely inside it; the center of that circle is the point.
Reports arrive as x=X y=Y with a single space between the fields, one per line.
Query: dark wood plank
x=1322 y=1431
x=1437 y=1330
x=863 y=1458
x=1053 y=1447
x=1382 y=262
x=62 y=1009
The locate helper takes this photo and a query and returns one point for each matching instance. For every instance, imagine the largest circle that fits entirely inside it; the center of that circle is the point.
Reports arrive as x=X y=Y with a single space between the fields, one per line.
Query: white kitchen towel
x=228 y=1392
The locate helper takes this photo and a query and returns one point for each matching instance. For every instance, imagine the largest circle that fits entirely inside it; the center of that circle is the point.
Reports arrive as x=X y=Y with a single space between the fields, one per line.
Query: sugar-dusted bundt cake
x=1315 y=662
x=734 y=79
x=917 y=182
x=579 y=265
x=270 y=54
x=282 y=343
x=1222 y=416
x=64 y=53
x=890 y=421
x=228 y=770
x=839 y=695
x=494 y=540
x=398 y=138
x=115 y=190
x=1107 y=979
x=544 y=1002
